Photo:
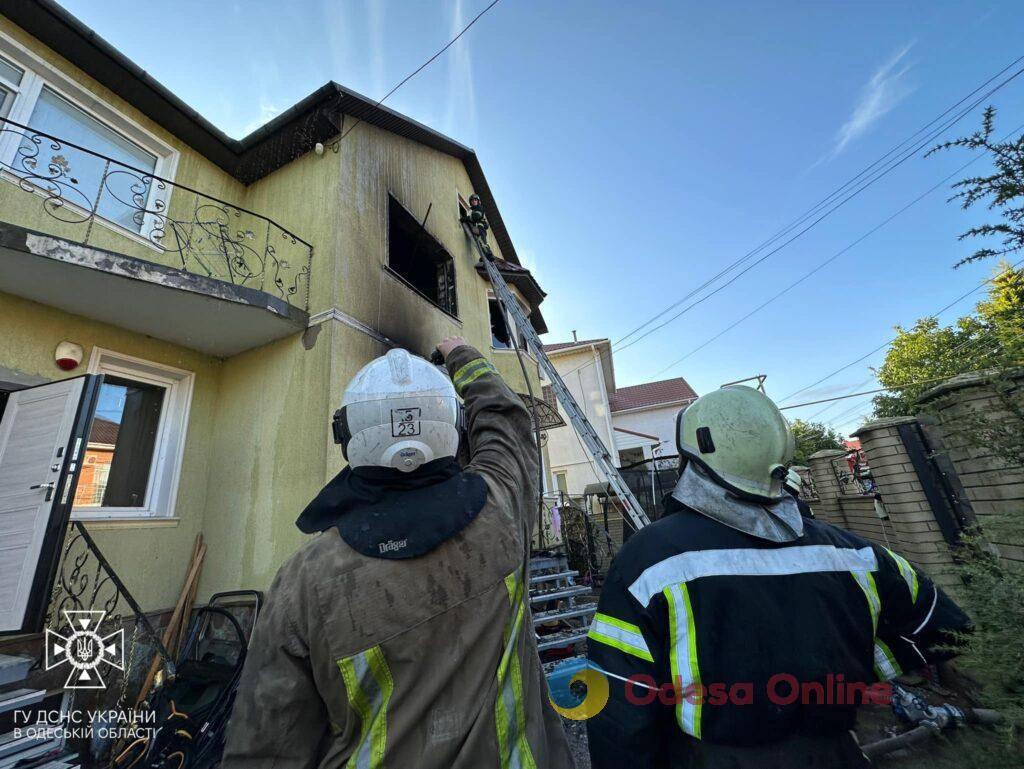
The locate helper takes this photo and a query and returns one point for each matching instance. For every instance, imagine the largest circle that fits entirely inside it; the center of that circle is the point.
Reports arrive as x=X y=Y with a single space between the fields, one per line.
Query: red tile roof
x=550 y=348
x=104 y=431
x=651 y=394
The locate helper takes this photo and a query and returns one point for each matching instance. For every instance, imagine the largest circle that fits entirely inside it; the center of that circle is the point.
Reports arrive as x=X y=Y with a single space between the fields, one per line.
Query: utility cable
x=807 y=214
x=890 y=341
x=832 y=258
x=422 y=67
x=618 y=347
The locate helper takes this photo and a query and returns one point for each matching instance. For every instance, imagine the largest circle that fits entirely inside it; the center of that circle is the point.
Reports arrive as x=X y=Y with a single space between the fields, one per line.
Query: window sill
x=128 y=522
x=526 y=353
x=419 y=294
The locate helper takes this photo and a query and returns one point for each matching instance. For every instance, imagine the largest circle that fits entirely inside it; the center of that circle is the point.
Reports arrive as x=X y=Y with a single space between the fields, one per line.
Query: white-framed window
x=132 y=460
x=37 y=94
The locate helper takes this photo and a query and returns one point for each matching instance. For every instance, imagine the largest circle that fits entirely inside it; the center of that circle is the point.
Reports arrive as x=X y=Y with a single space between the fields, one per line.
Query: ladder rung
x=545 y=642
x=553 y=616
x=556 y=595
x=552 y=577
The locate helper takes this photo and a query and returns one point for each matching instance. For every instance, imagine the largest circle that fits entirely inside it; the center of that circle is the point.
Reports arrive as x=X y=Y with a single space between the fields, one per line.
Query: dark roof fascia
x=316 y=118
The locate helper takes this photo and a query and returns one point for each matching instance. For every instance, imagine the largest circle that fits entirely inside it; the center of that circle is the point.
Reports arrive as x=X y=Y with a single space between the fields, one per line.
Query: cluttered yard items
x=193 y=709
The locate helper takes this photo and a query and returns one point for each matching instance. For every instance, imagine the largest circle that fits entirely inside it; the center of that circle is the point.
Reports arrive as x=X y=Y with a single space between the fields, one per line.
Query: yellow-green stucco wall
x=258 y=445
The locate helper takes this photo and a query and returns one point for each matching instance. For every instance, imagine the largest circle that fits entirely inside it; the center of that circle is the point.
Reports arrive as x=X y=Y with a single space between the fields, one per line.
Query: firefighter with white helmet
x=401 y=635
x=722 y=612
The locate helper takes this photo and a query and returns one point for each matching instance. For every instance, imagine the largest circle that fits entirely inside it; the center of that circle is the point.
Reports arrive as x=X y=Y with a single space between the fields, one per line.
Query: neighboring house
x=228 y=289
x=635 y=422
x=644 y=418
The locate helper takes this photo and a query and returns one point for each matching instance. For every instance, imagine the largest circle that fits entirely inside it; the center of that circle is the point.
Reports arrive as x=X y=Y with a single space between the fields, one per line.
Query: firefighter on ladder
x=734 y=621
x=401 y=635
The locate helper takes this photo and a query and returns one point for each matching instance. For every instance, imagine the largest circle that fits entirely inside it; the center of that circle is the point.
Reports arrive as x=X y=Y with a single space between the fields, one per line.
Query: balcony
x=85 y=233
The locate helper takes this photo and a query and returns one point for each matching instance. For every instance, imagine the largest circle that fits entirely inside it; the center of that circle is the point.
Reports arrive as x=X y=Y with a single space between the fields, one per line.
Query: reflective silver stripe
x=616 y=634
x=886 y=666
x=928 y=617
x=683 y=662
x=907 y=572
x=369 y=685
x=753 y=562
x=373 y=696
x=867 y=584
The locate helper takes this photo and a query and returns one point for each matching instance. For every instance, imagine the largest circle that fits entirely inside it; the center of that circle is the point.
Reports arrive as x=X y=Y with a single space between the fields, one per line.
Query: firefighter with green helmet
x=716 y=620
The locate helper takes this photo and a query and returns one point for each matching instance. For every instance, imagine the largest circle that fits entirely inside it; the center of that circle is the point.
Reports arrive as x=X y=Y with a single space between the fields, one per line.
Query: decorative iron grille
x=191 y=230
x=86 y=581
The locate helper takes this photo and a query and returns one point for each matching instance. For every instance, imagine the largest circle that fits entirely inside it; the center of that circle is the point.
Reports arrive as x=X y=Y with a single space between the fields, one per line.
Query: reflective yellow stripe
x=471 y=372
x=620 y=635
x=867 y=584
x=886 y=667
x=907 y=572
x=509 y=711
x=683 y=658
x=369 y=686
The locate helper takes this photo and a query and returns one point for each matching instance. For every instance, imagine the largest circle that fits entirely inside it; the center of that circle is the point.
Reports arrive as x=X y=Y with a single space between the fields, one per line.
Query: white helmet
x=794 y=481
x=399 y=411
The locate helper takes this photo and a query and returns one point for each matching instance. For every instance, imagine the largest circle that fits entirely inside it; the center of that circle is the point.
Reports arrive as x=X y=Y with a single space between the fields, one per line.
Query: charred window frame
x=419 y=260
x=500 y=339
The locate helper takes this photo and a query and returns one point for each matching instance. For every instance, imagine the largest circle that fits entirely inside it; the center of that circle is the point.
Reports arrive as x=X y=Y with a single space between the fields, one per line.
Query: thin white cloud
x=268 y=112
x=460 y=111
x=886 y=89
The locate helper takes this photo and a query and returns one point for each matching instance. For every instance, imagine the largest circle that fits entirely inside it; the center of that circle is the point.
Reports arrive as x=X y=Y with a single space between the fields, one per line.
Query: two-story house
x=226 y=289
x=636 y=423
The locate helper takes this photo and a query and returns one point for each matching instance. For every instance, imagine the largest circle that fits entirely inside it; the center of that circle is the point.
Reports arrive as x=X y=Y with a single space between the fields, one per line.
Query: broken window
x=500 y=325
x=419 y=260
x=499 y=331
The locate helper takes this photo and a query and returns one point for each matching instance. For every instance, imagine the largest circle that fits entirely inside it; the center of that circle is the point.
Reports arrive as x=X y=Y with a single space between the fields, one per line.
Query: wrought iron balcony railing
x=145 y=216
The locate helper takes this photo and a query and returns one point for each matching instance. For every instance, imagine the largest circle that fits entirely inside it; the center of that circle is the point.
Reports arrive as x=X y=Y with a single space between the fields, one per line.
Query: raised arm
x=501 y=440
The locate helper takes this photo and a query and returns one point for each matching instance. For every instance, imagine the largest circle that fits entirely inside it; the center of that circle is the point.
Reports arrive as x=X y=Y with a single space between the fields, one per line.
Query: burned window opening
x=419 y=260
x=500 y=339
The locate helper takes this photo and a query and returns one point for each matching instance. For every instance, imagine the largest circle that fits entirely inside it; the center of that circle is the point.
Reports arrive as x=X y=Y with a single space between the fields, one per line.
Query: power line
x=422 y=67
x=876 y=177
x=890 y=341
x=966 y=343
x=885 y=172
x=807 y=214
x=835 y=256
x=870 y=392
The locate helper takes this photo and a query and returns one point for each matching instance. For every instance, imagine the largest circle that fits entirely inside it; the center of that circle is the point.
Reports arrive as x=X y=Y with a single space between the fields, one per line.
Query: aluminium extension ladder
x=591 y=440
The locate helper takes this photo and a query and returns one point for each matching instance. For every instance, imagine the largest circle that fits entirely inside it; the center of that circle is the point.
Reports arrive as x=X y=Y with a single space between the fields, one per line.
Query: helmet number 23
x=405 y=422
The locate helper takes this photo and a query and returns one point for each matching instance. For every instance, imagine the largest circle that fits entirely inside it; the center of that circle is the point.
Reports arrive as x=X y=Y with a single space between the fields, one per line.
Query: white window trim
x=525 y=348
x=39 y=73
x=169 y=448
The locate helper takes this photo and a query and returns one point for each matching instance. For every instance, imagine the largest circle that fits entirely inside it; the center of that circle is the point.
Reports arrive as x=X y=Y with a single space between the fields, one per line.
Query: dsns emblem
x=84 y=650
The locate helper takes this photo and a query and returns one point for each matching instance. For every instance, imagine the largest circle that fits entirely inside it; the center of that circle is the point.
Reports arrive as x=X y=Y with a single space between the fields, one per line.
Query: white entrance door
x=41 y=434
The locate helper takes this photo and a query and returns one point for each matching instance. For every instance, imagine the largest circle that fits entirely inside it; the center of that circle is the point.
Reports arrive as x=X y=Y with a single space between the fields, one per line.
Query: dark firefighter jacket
x=741 y=625
x=428 y=662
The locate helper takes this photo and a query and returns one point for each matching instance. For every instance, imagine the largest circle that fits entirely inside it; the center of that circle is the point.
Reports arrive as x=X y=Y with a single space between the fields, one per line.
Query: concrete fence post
x=826 y=484
x=912 y=518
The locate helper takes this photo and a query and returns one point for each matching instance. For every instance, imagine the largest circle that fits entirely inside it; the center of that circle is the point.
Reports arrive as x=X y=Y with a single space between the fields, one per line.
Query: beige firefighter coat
x=425 y=663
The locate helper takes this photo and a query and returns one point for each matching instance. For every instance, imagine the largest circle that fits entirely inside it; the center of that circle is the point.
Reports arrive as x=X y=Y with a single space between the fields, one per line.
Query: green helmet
x=740 y=438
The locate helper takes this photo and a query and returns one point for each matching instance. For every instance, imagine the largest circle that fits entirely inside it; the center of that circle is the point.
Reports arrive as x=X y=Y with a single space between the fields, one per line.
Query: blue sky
x=635 y=149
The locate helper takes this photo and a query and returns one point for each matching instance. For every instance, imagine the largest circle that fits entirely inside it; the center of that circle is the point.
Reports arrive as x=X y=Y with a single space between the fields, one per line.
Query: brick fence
x=909 y=525
x=993 y=485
